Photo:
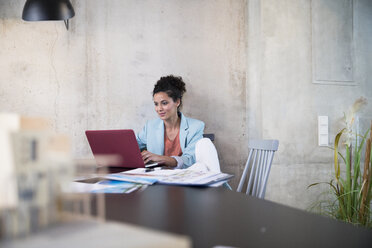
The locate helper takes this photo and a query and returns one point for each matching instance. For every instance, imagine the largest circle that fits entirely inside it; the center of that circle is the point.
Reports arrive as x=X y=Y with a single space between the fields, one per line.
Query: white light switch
x=323 y=130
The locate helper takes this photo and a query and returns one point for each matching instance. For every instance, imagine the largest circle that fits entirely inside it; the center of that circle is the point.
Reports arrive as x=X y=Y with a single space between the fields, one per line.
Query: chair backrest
x=209 y=136
x=260 y=158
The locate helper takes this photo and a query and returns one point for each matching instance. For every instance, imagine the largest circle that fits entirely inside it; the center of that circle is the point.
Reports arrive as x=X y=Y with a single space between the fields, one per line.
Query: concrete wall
x=289 y=102
x=100 y=73
x=247 y=65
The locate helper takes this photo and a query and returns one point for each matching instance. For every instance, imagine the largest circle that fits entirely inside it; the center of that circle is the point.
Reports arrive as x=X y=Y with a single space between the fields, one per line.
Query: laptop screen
x=117 y=148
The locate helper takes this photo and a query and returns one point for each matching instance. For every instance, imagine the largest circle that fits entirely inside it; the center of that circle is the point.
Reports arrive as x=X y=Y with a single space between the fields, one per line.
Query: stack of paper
x=141 y=179
x=103 y=186
x=111 y=183
x=180 y=176
x=129 y=181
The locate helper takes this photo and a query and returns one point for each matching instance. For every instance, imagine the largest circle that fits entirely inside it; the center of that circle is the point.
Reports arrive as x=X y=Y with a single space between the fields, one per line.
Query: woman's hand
x=163 y=160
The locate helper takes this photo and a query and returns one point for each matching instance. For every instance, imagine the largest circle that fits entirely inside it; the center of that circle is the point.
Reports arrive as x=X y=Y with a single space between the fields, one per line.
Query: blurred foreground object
x=35 y=166
x=95 y=234
x=34 y=162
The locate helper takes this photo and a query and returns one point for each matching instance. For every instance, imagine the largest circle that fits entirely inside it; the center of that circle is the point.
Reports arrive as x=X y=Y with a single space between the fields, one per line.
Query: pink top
x=172 y=147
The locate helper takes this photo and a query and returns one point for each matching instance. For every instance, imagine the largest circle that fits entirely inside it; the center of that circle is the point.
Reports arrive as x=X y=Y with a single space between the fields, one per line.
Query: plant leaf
x=337 y=164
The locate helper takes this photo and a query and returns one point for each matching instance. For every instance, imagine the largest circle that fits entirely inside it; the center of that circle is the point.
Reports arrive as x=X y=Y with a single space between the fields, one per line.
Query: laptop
x=116 y=148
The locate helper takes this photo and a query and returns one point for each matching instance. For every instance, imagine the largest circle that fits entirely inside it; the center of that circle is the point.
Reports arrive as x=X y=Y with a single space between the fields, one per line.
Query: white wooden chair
x=260 y=158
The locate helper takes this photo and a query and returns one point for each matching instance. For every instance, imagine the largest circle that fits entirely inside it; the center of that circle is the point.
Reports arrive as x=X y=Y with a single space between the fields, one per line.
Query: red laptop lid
x=117 y=148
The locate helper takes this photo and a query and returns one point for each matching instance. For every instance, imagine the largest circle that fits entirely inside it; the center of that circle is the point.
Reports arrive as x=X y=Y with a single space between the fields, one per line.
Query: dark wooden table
x=216 y=216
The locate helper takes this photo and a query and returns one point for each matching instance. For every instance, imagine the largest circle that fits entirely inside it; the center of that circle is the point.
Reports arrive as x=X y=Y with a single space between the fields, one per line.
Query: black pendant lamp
x=48 y=10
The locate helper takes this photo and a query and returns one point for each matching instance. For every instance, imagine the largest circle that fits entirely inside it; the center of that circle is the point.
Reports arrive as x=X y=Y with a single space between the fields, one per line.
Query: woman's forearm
x=169 y=161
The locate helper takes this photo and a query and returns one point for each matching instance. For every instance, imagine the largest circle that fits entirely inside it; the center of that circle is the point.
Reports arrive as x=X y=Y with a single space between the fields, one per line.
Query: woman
x=170 y=139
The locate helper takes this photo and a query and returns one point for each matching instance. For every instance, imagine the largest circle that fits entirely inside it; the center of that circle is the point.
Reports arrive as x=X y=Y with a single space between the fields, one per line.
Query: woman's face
x=165 y=107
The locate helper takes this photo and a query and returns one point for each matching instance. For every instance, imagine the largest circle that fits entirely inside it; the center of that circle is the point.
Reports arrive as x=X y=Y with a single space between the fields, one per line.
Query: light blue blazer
x=151 y=138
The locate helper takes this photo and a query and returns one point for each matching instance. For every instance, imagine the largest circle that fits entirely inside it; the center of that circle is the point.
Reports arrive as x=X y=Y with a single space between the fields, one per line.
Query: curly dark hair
x=172 y=85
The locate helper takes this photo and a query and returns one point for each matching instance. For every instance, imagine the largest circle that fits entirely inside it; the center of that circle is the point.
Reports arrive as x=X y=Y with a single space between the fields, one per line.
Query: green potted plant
x=351 y=185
